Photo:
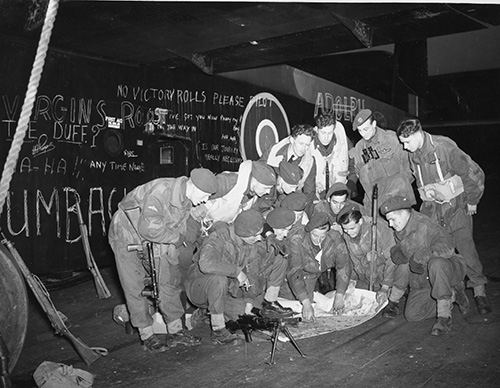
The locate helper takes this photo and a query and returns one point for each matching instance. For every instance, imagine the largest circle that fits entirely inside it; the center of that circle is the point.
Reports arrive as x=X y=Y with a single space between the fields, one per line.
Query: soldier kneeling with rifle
x=234 y=272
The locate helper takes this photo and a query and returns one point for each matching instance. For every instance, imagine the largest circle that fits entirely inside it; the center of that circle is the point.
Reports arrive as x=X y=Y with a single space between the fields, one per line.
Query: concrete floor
x=378 y=353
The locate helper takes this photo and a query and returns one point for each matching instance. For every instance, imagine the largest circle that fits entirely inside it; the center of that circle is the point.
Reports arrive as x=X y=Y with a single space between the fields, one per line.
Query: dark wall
x=76 y=145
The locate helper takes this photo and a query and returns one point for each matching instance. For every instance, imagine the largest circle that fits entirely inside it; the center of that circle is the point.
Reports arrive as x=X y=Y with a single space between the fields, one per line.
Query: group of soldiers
x=274 y=228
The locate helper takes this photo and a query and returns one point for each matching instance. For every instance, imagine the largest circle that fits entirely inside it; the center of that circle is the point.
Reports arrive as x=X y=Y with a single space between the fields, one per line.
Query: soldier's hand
x=307 y=310
x=382 y=295
x=272 y=243
x=335 y=226
x=338 y=304
x=471 y=209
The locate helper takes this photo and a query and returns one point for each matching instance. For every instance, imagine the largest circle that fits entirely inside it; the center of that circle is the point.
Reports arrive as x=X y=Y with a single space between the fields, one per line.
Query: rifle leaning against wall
x=374 y=234
x=100 y=285
x=43 y=297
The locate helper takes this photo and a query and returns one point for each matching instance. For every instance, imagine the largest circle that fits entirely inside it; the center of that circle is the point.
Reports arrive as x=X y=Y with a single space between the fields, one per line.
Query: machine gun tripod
x=260 y=321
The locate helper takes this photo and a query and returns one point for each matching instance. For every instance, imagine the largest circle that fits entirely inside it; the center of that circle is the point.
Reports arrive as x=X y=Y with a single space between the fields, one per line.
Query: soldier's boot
x=275 y=310
x=460 y=298
x=199 y=317
x=441 y=326
x=483 y=304
x=183 y=337
x=156 y=343
x=225 y=337
x=391 y=310
x=443 y=321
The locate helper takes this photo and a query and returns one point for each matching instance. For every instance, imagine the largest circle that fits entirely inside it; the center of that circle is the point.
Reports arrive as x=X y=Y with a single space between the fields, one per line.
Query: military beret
x=291 y=173
x=295 y=201
x=263 y=173
x=204 y=179
x=248 y=223
x=347 y=209
x=361 y=117
x=396 y=202
x=280 y=218
x=318 y=220
x=338 y=186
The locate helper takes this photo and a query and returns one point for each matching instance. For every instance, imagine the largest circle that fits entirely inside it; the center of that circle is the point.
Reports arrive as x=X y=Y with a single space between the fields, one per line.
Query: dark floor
x=378 y=353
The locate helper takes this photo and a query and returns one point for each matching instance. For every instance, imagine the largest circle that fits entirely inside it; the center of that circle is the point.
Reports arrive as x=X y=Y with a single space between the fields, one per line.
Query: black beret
x=347 y=209
x=204 y=179
x=295 y=201
x=317 y=220
x=361 y=117
x=395 y=203
x=291 y=173
x=263 y=173
x=248 y=223
x=280 y=218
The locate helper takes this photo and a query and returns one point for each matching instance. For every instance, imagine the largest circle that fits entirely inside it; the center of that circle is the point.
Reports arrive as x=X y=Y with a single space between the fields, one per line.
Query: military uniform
x=212 y=280
x=324 y=207
x=233 y=195
x=283 y=151
x=156 y=211
x=443 y=153
x=429 y=245
x=381 y=160
x=306 y=262
x=360 y=246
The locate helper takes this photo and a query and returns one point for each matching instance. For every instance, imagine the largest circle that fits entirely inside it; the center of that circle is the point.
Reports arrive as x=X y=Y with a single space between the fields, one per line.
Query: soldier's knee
x=217 y=283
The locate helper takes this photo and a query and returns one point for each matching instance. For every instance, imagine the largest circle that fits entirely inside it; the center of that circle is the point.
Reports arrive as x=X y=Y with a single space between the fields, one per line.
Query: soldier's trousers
x=434 y=284
x=212 y=292
x=460 y=225
x=132 y=274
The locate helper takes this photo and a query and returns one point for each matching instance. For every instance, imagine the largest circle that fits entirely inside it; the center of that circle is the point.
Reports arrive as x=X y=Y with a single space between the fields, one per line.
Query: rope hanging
x=29 y=99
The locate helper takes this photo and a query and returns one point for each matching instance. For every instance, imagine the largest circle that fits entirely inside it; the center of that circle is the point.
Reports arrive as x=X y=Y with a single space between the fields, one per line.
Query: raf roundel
x=264 y=123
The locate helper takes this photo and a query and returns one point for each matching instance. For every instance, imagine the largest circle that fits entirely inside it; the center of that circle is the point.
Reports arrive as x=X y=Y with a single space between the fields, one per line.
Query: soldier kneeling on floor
x=233 y=273
x=434 y=272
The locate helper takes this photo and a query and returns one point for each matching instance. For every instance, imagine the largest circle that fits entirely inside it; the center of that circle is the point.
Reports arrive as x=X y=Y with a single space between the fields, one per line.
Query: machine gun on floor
x=260 y=321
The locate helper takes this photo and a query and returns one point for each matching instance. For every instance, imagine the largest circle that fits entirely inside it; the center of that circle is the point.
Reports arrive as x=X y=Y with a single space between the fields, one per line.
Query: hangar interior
x=135 y=90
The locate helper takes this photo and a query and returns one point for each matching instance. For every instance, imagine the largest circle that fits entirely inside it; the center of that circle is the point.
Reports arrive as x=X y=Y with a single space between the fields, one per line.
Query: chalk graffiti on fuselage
x=42 y=211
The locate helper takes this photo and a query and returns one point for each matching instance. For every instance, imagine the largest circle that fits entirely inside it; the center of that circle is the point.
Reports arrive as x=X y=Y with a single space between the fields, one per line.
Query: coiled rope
x=29 y=99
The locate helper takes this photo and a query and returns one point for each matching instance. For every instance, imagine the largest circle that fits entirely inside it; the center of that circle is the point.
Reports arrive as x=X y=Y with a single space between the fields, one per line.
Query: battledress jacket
x=360 y=246
x=452 y=160
x=304 y=269
x=228 y=257
x=388 y=167
x=158 y=210
x=420 y=240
